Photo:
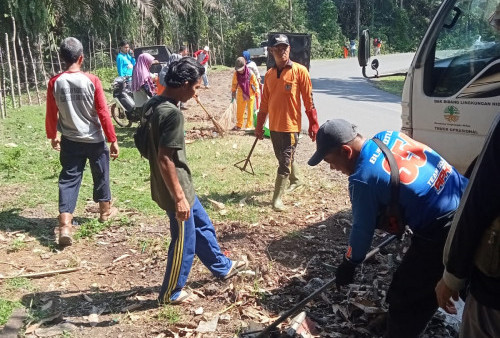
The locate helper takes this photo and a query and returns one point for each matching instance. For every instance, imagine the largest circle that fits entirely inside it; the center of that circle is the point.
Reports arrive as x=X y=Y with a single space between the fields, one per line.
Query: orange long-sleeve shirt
x=281 y=97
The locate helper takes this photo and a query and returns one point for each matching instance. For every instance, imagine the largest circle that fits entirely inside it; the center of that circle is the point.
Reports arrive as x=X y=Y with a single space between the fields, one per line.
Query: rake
x=217 y=125
x=246 y=161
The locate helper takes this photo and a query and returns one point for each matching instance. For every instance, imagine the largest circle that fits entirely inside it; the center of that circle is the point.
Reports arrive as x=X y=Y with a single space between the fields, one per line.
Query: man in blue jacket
x=429 y=193
x=125 y=60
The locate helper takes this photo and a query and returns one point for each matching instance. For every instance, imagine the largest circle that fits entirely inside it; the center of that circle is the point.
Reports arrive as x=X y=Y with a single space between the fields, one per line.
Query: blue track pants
x=194 y=236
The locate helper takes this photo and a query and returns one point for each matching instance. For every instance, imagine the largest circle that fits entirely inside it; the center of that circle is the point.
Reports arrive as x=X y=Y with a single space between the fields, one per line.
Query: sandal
x=235 y=269
x=185 y=297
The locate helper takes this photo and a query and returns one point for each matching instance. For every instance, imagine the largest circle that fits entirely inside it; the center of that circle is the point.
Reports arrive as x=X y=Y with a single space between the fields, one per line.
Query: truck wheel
x=258 y=62
x=119 y=116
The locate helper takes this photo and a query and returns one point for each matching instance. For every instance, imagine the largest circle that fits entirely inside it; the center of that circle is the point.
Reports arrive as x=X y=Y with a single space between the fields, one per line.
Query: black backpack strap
x=394 y=211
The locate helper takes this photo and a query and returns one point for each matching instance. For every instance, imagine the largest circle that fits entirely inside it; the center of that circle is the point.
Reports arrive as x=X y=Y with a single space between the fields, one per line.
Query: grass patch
x=246 y=197
x=6 y=308
x=391 y=84
x=169 y=313
x=90 y=228
x=18 y=283
x=16 y=245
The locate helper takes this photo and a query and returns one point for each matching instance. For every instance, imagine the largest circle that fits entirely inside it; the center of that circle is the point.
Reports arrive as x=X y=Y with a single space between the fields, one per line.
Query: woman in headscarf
x=143 y=86
x=251 y=65
x=244 y=89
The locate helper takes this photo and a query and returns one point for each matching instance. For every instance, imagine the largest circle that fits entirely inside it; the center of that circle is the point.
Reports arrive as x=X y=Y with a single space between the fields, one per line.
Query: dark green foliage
x=228 y=26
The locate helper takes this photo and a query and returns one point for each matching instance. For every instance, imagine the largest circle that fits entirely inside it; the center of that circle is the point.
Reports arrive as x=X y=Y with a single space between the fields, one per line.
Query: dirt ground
x=113 y=294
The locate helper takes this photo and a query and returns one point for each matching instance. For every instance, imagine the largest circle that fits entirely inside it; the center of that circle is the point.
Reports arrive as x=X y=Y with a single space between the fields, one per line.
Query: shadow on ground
x=40 y=228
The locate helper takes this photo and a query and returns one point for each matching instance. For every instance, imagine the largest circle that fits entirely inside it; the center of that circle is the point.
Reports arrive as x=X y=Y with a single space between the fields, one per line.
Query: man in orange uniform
x=284 y=84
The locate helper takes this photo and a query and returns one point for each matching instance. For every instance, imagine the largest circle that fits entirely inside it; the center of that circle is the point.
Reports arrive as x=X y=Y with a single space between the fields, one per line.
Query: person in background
x=378 y=46
x=77 y=108
x=252 y=66
x=352 y=48
x=285 y=84
x=345 y=47
x=192 y=232
x=143 y=86
x=472 y=251
x=429 y=193
x=183 y=52
x=202 y=56
x=125 y=60
x=244 y=89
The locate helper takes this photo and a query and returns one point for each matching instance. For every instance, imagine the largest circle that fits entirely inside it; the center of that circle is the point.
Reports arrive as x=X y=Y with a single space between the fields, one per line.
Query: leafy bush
x=107 y=75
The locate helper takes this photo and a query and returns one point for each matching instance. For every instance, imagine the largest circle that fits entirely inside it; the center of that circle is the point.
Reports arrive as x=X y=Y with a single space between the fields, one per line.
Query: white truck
x=451 y=94
x=259 y=54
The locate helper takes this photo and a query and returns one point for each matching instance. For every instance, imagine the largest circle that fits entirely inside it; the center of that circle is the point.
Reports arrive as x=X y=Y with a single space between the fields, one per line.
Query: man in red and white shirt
x=77 y=108
x=202 y=56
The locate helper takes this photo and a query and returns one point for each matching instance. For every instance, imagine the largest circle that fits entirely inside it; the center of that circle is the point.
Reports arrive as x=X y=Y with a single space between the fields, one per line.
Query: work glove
x=259 y=129
x=312 y=115
x=345 y=273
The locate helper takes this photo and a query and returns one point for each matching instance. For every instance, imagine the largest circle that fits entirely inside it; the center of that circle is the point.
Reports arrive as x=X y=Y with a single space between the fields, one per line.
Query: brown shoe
x=107 y=211
x=65 y=229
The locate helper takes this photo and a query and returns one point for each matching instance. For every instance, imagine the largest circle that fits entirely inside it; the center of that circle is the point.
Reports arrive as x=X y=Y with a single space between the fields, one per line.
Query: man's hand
x=259 y=128
x=444 y=295
x=114 y=150
x=182 y=209
x=56 y=143
x=233 y=95
x=312 y=115
x=345 y=273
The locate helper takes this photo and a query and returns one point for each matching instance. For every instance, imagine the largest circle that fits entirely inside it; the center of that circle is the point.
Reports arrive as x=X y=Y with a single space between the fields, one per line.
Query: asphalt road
x=341 y=91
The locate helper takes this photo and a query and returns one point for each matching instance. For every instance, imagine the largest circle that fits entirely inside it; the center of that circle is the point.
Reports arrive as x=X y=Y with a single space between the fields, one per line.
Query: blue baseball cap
x=332 y=134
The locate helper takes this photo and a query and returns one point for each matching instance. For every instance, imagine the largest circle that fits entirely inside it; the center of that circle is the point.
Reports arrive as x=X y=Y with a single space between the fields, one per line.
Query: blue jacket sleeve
x=364 y=214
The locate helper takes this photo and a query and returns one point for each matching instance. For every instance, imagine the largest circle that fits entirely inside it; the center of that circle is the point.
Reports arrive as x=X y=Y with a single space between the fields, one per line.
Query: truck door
x=452 y=91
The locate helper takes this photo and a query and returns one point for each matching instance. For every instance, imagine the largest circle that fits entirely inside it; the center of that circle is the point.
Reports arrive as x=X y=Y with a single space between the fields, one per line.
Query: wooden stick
x=25 y=70
x=10 y=72
x=93 y=51
x=42 y=64
x=34 y=70
x=3 y=94
x=51 y=58
x=16 y=62
x=57 y=53
x=110 y=52
x=42 y=274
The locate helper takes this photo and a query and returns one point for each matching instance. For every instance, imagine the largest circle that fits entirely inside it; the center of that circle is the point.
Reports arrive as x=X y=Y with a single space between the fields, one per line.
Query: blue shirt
x=122 y=64
x=429 y=188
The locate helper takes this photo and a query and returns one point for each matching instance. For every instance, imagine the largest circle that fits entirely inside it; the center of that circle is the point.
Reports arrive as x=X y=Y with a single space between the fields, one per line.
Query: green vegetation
x=230 y=26
x=16 y=245
x=211 y=162
x=90 y=228
x=6 y=308
x=390 y=84
x=18 y=283
x=169 y=313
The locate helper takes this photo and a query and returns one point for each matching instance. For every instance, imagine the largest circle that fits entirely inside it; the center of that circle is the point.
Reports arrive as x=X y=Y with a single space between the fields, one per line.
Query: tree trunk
x=26 y=84
x=110 y=52
x=3 y=107
x=34 y=70
x=358 y=5
x=16 y=61
x=11 y=78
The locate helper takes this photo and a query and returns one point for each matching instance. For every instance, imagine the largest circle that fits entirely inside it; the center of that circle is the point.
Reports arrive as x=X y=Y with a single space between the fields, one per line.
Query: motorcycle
x=123 y=107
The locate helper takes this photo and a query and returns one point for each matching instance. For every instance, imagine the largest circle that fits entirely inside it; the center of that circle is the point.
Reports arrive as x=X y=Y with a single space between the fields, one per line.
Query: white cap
x=206 y=49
